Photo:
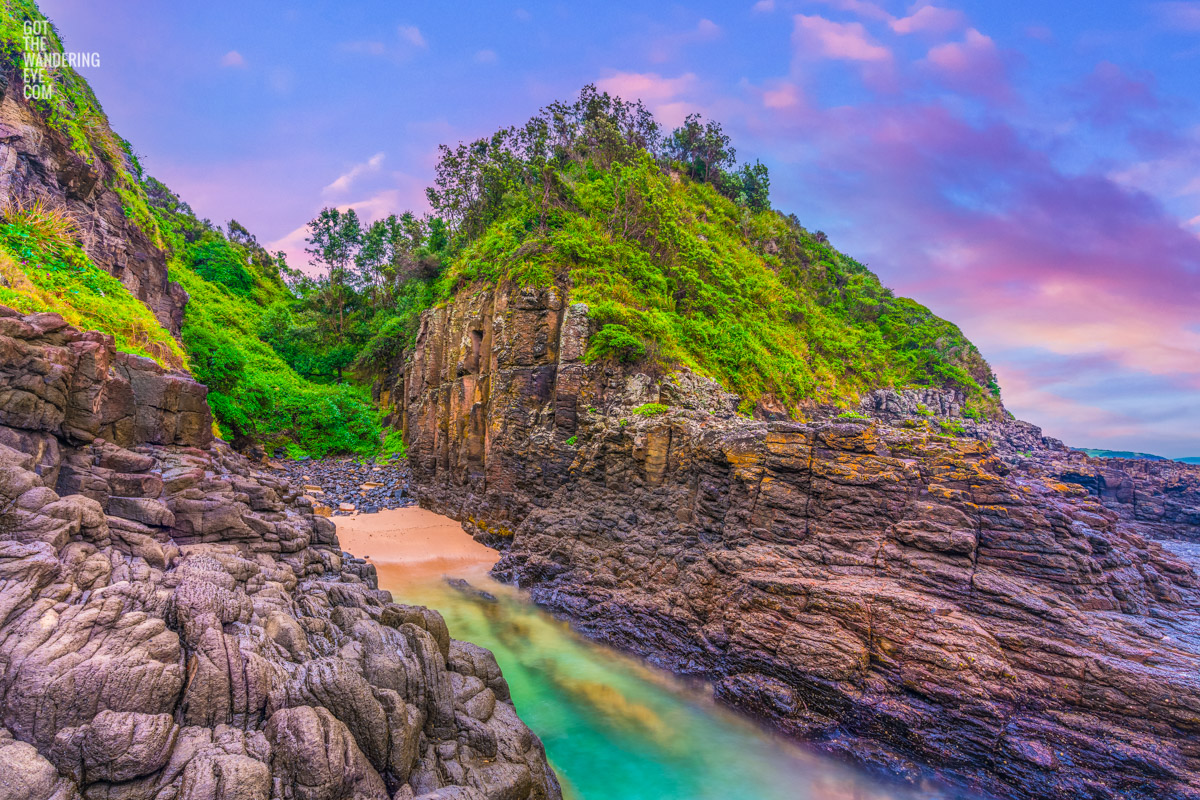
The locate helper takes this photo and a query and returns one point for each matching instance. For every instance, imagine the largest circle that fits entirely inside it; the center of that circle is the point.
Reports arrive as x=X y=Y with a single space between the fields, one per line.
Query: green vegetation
x=651 y=410
x=672 y=245
x=44 y=268
x=852 y=415
x=682 y=262
x=259 y=347
x=571 y=442
x=393 y=446
x=615 y=341
x=953 y=426
x=71 y=109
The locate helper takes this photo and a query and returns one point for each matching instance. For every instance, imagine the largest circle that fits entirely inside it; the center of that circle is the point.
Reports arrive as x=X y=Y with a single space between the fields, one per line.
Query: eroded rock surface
x=176 y=624
x=974 y=603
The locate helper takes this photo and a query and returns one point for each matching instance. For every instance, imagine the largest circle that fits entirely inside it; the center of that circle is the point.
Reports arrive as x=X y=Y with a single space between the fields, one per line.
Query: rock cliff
x=177 y=624
x=37 y=162
x=907 y=593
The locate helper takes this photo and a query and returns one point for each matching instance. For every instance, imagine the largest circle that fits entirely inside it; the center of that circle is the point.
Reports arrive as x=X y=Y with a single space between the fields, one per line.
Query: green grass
x=44 y=269
x=677 y=275
x=651 y=410
x=393 y=446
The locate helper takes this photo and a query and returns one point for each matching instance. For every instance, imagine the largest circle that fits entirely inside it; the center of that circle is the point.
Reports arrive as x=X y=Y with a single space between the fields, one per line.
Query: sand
x=412 y=545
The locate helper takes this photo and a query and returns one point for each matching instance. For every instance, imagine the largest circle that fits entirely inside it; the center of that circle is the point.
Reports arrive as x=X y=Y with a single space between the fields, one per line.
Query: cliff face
x=175 y=623
x=38 y=162
x=908 y=598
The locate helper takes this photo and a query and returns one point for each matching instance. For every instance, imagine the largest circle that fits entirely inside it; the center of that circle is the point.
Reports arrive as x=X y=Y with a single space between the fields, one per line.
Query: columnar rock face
x=37 y=162
x=176 y=624
x=906 y=597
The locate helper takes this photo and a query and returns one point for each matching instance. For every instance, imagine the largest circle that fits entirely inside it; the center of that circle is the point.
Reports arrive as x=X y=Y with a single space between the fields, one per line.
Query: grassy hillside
x=43 y=268
x=73 y=110
x=674 y=247
x=682 y=267
x=255 y=394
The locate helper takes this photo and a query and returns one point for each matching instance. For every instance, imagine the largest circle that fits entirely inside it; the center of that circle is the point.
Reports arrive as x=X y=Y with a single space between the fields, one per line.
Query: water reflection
x=616 y=728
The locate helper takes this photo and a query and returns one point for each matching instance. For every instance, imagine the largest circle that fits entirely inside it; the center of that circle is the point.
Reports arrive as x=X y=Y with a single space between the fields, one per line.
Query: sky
x=1028 y=170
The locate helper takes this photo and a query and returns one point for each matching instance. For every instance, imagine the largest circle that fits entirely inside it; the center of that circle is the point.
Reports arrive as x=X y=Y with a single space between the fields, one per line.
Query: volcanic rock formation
x=176 y=624
x=969 y=597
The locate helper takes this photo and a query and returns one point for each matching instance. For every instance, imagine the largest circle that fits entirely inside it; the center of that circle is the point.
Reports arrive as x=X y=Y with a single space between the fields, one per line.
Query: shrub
x=393 y=445
x=218 y=261
x=571 y=442
x=651 y=409
x=616 y=341
x=852 y=415
x=953 y=426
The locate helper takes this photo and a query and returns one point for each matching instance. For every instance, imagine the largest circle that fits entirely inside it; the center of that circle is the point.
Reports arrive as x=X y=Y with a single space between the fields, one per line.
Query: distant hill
x=1095 y=453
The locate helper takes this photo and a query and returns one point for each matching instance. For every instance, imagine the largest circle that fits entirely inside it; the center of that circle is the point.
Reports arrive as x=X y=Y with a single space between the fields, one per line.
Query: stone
x=989 y=605
x=190 y=629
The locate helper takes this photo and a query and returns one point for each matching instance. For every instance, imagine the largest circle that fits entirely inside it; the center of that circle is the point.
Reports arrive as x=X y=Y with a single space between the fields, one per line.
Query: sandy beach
x=412 y=545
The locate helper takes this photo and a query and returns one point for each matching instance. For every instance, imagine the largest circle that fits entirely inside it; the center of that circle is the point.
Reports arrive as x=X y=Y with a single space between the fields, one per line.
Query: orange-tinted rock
x=905 y=597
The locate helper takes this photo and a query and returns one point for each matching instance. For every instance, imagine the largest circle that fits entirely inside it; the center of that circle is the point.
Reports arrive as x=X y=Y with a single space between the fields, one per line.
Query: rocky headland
x=176 y=623
x=912 y=590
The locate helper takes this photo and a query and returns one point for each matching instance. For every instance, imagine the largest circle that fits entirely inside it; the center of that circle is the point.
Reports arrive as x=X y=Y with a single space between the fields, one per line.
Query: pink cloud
x=661 y=95
x=848 y=41
x=974 y=65
x=979 y=223
x=785 y=95
x=929 y=19
x=862 y=9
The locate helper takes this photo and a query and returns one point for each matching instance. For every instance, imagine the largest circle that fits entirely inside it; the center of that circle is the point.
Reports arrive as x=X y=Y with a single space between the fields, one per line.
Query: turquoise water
x=615 y=728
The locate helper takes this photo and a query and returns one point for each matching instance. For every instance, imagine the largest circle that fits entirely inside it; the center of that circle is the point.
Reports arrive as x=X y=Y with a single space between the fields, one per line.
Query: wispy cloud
x=930 y=19
x=233 y=59
x=412 y=35
x=974 y=65
x=667 y=46
x=343 y=182
x=408 y=42
x=1180 y=15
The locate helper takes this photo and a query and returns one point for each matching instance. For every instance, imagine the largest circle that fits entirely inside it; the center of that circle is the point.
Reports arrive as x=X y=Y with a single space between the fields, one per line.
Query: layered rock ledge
x=176 y=624
x=908 y=597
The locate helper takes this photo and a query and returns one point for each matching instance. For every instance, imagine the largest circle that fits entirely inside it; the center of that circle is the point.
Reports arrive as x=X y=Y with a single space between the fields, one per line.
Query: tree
x=703 y=149
x=376 y=255
x=750 y=186
x=334 y=240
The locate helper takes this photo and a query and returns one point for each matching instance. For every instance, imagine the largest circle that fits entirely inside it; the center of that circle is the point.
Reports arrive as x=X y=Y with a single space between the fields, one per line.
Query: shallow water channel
x=617 y=728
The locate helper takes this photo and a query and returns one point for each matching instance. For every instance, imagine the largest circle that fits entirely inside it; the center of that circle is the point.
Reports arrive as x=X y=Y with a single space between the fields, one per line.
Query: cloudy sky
x=1030 y=170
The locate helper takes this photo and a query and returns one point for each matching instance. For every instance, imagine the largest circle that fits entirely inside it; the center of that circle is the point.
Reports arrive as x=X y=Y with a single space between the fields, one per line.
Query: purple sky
x=1029 y=170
